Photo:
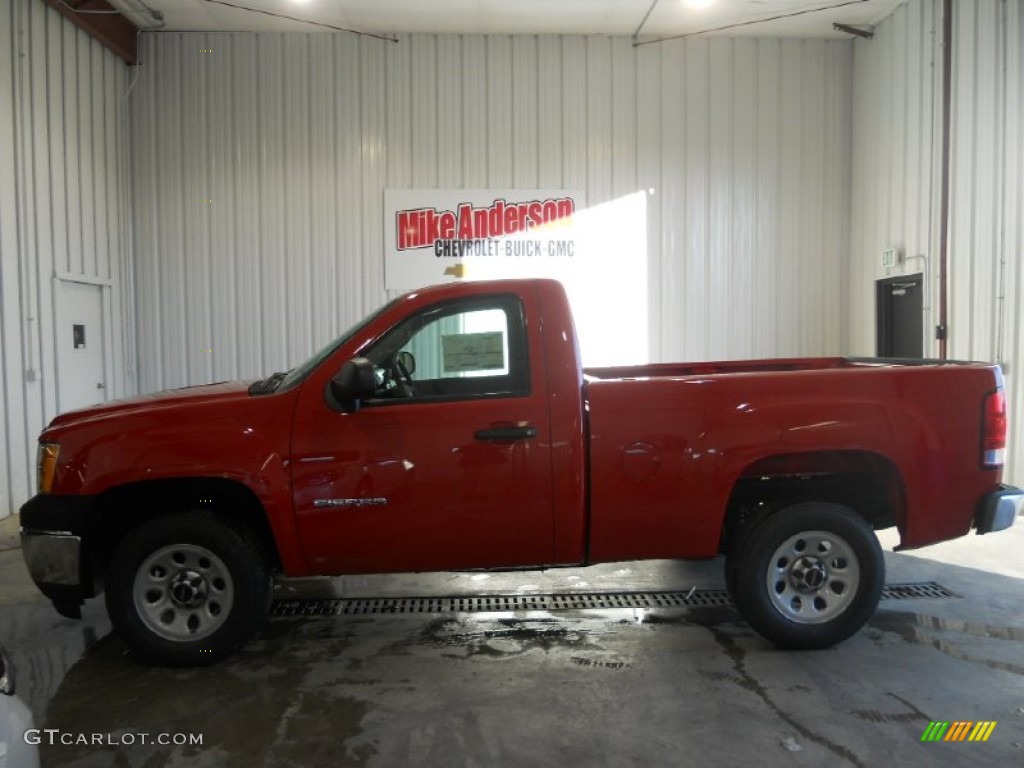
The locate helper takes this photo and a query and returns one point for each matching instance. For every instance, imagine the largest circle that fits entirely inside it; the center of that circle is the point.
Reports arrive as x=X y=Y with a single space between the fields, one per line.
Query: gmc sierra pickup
x=456 y=429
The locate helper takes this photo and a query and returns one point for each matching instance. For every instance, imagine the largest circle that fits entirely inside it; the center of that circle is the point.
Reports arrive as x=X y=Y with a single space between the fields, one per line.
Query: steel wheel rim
x=183 y=592
x=813 y=577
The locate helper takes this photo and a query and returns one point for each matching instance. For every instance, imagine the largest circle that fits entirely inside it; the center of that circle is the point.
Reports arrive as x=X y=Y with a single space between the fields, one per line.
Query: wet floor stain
x=500 y=638
x=255 y=709
x=593 y=663
x=711 y=617
x=955 y=638
x=719 y=676
x=874 y=716
x=308 y=732
x=889 y=619
x=44 y=645
x=913 y=709
x=737 y=655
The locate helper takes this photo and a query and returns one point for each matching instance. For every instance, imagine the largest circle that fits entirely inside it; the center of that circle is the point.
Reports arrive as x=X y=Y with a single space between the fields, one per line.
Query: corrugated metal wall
x=986 y=321
x=260 y=163
x=897 y=141
x=63 y=211
x=897 y=145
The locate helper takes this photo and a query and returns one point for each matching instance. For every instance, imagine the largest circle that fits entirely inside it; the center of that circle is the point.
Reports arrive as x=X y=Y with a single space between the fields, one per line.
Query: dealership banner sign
x=439 y=235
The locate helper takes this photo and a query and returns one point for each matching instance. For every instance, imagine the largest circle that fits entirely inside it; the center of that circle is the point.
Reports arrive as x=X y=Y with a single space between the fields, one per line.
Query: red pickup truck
x=455 y=429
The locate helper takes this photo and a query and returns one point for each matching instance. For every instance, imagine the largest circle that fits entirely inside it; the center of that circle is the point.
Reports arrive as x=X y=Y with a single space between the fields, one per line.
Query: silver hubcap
x=183 y=592
x=813 y=577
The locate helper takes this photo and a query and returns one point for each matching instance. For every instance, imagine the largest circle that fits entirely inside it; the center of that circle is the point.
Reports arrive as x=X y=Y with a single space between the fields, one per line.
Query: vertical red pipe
x=941 y=332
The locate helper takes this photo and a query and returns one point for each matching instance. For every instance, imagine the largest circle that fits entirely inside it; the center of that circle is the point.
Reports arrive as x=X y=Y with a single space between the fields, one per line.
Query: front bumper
x=999 y=509
x=52 y=530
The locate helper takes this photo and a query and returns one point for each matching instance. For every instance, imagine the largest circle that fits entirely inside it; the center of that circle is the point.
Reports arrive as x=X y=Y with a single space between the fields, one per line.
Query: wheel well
x=866 y=482
x=121 y=509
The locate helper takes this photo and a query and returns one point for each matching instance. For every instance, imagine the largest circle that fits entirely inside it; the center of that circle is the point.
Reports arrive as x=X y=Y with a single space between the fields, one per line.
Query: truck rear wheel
x=808 y=576
x=186 y=590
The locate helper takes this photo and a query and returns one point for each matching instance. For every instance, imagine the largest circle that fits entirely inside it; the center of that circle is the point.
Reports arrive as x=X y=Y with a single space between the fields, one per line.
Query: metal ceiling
x=645 y=19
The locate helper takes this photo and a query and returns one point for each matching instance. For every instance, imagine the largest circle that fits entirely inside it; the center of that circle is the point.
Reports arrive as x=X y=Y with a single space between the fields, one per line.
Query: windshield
x=282 y=381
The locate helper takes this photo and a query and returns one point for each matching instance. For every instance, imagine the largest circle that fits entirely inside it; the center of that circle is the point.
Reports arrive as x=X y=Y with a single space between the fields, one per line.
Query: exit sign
x=889 y=257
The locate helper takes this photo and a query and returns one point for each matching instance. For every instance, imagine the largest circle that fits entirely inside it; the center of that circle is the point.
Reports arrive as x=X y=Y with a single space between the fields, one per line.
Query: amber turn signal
x=46 y=465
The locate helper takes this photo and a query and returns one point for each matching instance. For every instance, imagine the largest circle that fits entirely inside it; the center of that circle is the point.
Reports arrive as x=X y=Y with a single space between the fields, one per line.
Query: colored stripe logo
x=958 y=730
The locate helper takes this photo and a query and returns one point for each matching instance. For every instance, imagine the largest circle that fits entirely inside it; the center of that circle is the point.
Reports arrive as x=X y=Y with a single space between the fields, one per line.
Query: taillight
x=993 y=436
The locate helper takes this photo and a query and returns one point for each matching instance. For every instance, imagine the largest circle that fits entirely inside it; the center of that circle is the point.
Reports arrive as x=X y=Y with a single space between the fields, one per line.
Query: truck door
x=448 y=465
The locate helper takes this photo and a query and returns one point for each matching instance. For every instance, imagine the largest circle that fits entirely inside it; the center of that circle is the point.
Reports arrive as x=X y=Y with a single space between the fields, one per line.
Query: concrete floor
x=621 y=687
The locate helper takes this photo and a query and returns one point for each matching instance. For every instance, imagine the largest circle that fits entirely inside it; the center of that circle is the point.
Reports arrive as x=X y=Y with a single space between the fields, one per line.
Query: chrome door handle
x=506 y=433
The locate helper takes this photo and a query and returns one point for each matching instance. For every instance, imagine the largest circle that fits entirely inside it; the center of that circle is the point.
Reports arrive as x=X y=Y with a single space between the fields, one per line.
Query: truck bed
x=671 y=442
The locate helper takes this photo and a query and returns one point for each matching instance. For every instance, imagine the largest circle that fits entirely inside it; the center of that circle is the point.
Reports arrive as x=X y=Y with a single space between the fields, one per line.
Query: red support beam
x=109 y=27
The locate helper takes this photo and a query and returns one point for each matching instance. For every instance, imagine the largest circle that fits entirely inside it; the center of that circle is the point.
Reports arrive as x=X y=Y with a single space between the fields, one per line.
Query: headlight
x=46 y=466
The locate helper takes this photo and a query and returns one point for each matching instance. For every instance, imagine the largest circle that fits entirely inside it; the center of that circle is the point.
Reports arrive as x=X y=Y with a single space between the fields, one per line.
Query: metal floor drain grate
x=918 y=589
x=565 y=602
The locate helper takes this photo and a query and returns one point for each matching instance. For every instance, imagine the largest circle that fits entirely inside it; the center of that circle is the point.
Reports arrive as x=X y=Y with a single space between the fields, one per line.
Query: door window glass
x=463 y=349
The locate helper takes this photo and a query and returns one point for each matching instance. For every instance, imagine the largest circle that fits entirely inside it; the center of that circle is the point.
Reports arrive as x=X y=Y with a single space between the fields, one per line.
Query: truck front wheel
x=808 y=576
x=186 y=589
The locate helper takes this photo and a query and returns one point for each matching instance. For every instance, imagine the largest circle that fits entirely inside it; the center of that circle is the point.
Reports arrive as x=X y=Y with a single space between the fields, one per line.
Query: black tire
x=738 y=538
x=808 y=576
x=186 y=590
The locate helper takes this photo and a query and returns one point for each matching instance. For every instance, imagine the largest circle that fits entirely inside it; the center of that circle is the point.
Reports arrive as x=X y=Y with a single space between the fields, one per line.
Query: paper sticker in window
x=473 y=351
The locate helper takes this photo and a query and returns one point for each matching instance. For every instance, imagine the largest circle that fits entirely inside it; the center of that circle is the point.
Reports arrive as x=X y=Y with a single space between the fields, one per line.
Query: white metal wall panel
x=574 y=138
x=896 y=181
x=549 y=113
x=624 y=123
x=298 y=135
x=896 y=164
x=500 y=80
x=63 y=206
x=986 y=240
x=13 y=473
x=1010 y=340
x=322 y=219
x=524 y=112
x=599 y=120
x=649 y=157
x=768 y=226
x=974 y=178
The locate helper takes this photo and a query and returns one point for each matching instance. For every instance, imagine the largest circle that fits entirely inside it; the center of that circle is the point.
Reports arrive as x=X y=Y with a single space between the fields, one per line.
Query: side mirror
x=354 y=382
x=407 y=360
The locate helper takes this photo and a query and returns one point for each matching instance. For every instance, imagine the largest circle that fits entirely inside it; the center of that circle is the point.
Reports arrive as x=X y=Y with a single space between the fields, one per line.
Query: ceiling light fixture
x=699 y=5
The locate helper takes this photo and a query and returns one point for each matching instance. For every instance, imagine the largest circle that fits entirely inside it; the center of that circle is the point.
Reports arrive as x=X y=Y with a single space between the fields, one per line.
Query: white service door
x=81 y=341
